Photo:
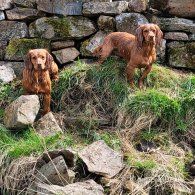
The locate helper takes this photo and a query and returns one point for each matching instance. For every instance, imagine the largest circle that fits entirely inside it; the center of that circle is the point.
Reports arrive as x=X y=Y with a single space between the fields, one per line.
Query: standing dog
x=39 y=70
x=139 y=50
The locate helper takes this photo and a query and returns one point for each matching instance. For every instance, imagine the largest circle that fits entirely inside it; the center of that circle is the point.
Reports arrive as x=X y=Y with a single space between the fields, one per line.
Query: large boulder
x=16 y=66
x=25 y=3
x=22 y=112
x=12 y=29
x=64 y=7
x=15 y=54
x=3 y=45
x=66 y=55
x=6 y=74
x=2 y=15
x=62 y=28
x=5 y=4
x=178 y=8
x=137 y=5
x=88 y=187
x=106 y=23
x=101 y=159
x=181 y=54
x=106 y=8
x=177 y=36
x=174 y=24
x=89 y=45
x=47 y=125
x=128 y=22
x=23 y=14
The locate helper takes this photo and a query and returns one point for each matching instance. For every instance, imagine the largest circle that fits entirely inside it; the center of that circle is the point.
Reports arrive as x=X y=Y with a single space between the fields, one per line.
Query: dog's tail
x=97 y=51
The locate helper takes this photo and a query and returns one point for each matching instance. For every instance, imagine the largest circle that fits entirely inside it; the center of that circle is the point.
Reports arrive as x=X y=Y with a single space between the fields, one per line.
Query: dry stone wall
x=69 y=28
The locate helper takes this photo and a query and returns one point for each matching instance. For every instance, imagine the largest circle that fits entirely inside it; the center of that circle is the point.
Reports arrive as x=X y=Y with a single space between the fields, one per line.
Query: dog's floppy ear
x=139 y=35
x=159 y=35
x=49 y=60
x=27 y=61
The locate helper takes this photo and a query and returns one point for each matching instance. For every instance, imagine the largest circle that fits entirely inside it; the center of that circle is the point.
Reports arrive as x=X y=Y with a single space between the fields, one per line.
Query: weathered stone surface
x=161 y=52
x=21 y=112
x=128 y=22
x=12 y=29
x=101 y=159
x=55 y=172
x=3 y=45
x=5 y=4
x=181 y=54
x=47 y=125
x=137 y=5
x=192 y=37
x=175 y=24
x=88 y=46
x=18 y=48
x=16 y=66
x=106 y=23
x=178 y=8
x=25 y=3
x=6 y=74
x=66 y=55
x=62 y=28
x=88 y=187
x=178 y=36
x=23 y=14
x=2 y=15
x=62 y=44
x=64 y=7
x=108 y=8
x=87 y=1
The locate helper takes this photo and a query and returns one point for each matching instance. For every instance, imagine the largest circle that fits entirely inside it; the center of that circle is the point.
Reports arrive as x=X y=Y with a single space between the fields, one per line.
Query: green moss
x=83 y=48
x=61 y=26
x=19 y=47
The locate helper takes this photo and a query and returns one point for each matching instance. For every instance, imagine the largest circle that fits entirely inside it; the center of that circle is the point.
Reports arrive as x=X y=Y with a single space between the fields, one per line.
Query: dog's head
x=38 y=59
x=149 y=33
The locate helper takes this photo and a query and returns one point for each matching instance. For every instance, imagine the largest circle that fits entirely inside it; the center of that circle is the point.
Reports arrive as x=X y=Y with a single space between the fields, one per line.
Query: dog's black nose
x=39 y=66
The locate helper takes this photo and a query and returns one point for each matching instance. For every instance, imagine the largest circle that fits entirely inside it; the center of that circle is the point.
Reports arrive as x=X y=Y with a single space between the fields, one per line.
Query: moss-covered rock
x=17 y=48
x=62 y=28
x=181 y=54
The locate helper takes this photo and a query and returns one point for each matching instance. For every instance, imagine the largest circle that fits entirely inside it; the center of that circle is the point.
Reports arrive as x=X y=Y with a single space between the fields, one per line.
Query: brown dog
x=139 y=50
x=39 y=69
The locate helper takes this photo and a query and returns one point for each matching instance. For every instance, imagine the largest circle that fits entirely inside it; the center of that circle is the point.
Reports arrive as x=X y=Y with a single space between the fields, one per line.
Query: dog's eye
x=43 y=57
x=34 y=57
x=146 y=31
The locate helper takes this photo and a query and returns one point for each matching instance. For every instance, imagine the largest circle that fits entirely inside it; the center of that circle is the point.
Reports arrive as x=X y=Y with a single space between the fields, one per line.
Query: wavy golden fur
x=139 y=50
x=39 y=70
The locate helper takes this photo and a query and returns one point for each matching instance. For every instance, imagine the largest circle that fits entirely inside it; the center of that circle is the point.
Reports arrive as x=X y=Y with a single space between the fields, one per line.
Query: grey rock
x=5 y=4
x=128 y=22
x=12 y=29
x=108 y=8
x=6 y=74
x=89 y=45
x=62 y=28
x=106 y=23
x=101 y=159
x=184 y=9
x=88 y=187
x=137 y=5
x=161 y=52
x=64 y=7
x=3 y=45
x=25 y=3
x=62 y=44
x=192 y=37
x=181 y=54
x=87 y=1
x=2 y=15
x=66 y=55
x=22 y=112
x=177 y=36
x=16 y=66
x=174 y=24
x=23 y=14
x=47 y=125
